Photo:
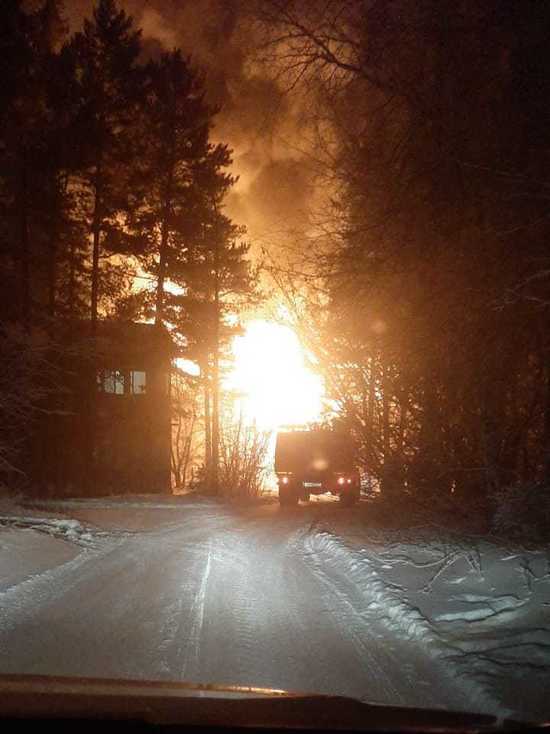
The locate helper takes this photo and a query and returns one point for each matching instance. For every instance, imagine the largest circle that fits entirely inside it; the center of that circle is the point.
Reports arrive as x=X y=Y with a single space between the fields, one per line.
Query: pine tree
x=218 y=283
x=180 y=169
x=180 y=184
x=109 y=87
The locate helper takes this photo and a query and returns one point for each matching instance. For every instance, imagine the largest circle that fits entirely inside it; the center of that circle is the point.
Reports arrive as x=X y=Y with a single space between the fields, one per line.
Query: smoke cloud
x=256 y=120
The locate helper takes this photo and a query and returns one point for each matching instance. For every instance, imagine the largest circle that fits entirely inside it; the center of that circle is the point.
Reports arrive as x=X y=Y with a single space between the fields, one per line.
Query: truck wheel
x=287 y=496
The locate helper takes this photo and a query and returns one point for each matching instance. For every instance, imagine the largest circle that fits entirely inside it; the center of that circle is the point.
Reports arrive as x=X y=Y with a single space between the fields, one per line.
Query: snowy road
x=195 y=591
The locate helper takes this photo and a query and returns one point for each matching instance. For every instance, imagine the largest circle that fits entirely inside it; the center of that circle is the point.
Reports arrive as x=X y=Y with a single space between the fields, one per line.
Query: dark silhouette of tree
x=99 y=149
x=433 y=329
x=109 y=87
x=180 y=170
x=22 y=118
x=188 y=244
x=32 y=198
x=217 y=283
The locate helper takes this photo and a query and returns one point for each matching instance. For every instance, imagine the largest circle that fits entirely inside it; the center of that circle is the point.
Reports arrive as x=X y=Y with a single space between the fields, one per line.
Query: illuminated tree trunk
x=216 y=374
x=372 y=386
x=386 y=468
x=91 y=411
x=165 y=228
x=215 y=424
x=71 y=295
x=163 y=257
x=207 y=423
x=59 y=188
x=403 y=410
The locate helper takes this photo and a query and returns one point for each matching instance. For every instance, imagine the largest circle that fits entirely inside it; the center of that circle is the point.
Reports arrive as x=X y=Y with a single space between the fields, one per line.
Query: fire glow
x=274 y=385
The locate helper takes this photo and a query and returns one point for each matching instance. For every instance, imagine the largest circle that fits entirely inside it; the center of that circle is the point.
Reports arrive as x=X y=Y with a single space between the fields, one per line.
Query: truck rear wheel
x=288 y=496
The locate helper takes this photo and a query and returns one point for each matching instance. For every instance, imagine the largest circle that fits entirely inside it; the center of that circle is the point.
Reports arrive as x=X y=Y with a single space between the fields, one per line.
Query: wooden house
x=107 y=429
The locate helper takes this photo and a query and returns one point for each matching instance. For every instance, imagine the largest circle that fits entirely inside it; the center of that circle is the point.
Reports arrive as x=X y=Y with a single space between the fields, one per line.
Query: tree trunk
x=166 y=212
x=91 y=387
x=175 y=453
x=215 y=423
x=24 y=252
x=159 y=308
x=489 y=434
x=386 y=469
x=372 y=388
x=546 y=428
x=187 y=450
x=72 y=279
x=52 y=250
x=96 y=237
x=207 y=426
x=403 y=410
x=216 y=375
x=163 y=253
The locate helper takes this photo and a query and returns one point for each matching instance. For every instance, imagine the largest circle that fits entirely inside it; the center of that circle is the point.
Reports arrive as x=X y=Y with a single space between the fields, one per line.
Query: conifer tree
x=180 y=170
x=109 y=87
x=218 y=283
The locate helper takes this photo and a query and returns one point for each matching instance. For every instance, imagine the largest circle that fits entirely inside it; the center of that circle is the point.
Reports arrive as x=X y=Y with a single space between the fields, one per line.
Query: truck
x=315 y=462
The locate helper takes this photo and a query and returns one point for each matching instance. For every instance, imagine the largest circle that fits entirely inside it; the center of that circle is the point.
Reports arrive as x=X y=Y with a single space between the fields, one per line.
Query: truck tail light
x=341 y=480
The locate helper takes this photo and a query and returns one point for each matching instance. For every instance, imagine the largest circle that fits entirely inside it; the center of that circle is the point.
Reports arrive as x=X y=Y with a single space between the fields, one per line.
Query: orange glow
x=271 y=376
x=186 y=365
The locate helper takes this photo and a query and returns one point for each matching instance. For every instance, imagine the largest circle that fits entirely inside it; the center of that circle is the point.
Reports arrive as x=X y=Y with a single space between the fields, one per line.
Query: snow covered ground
x=308 y=599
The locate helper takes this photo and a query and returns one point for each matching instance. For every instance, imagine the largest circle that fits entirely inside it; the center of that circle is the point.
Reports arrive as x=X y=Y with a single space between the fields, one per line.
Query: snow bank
x=478 y=606
x=25 y=554
x=54 y=523
x=145 y=501
x=62 y=528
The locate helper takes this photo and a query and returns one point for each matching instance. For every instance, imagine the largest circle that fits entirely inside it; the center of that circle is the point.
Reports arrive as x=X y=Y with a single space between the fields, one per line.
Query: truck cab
x=315 y=462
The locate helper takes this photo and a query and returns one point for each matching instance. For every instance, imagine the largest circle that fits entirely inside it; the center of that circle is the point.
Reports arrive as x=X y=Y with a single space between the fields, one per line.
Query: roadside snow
x=70 y=530
x=481 y=607
x=24 y=554
x=33 y=541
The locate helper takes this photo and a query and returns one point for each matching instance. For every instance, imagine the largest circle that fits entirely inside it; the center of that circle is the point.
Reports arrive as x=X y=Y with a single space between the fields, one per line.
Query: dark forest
x=418 y=280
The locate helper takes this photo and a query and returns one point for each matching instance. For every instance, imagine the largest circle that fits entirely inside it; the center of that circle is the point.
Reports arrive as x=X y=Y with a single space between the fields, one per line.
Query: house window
x=120 y=382
x=137 y=382
x=111 y=381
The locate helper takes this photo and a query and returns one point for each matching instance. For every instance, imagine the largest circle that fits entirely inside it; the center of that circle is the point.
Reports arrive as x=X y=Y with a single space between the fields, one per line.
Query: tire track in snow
x=197 y=623
x=351 y=623
x=229 y=621
x=177 y=610
x=278 y=628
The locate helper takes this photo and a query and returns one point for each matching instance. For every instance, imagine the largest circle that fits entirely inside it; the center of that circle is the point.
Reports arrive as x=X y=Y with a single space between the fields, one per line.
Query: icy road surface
x=305 y=599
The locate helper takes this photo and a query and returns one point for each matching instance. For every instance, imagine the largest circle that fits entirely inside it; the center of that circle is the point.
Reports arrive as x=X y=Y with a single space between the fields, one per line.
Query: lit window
x=137 y=382
x=111 y=381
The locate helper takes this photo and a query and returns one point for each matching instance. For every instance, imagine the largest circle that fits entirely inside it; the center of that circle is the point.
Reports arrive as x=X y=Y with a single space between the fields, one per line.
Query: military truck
x=315 y=462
